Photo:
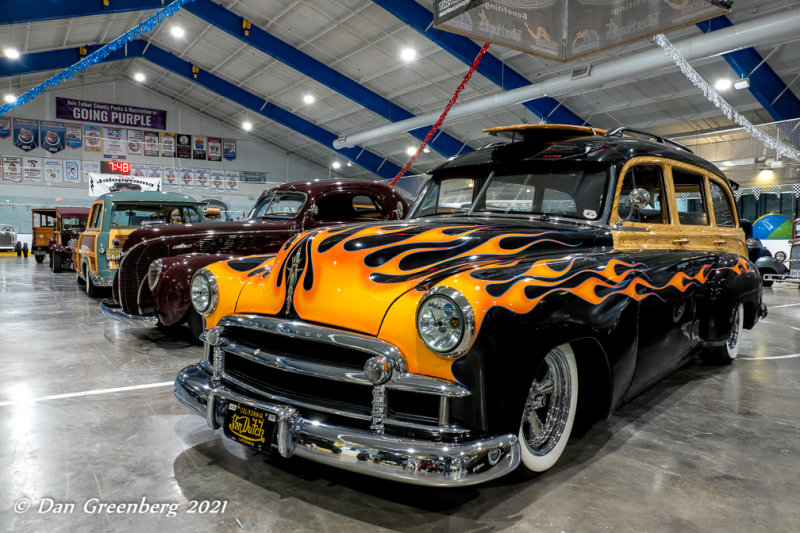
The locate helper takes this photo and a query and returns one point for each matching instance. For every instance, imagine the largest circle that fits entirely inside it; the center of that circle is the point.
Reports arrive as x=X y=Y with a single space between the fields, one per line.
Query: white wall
x=251 y=154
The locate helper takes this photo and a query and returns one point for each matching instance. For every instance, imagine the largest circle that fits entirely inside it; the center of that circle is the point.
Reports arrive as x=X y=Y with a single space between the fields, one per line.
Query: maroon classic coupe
x=152 y=284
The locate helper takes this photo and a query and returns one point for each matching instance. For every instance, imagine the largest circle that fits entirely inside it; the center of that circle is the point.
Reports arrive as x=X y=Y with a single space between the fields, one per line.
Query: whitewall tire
x=549 y=410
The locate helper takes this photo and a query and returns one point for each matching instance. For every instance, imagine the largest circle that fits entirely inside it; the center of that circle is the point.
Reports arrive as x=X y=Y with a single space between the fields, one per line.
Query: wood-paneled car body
x=70 y=223
x=113 y=217
x=152 y=286
x=43 y=224
x=452 y=349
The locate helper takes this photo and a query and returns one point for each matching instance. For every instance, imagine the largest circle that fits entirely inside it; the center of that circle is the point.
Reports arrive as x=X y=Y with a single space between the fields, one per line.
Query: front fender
x=770 y=264
x=171 y=295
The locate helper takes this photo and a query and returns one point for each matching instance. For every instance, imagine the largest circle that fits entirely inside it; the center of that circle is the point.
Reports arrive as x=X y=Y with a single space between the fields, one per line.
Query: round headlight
x=204 y=292
x=154 y=273
x=445 y=321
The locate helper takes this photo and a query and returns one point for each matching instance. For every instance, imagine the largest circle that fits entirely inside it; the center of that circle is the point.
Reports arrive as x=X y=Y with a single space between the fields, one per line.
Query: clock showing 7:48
x=115 y=167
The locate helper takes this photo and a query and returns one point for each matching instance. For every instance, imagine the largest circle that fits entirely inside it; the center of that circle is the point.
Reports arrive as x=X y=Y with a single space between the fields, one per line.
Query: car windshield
x=556 y=189
x=134 y=215
x=73 y=222
x=282 y=204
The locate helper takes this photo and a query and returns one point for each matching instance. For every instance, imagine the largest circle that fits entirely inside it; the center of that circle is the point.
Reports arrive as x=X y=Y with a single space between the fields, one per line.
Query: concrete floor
x=708 y=449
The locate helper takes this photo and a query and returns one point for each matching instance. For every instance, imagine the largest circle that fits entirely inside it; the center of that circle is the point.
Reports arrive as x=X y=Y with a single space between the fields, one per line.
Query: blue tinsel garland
x=97 y=56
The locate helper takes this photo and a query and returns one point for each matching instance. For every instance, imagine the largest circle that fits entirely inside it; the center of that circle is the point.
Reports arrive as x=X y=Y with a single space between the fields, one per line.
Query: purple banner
x=120 y=115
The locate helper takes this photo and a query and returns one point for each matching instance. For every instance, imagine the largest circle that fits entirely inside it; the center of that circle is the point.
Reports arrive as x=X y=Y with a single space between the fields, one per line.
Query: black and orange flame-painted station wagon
x=455 y=347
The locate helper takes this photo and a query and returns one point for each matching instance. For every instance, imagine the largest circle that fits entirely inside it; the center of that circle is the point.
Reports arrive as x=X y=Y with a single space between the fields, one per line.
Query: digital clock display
x=115 y=167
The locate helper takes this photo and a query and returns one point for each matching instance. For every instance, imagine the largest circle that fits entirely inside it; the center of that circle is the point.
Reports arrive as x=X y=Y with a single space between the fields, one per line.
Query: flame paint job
x=370 y=278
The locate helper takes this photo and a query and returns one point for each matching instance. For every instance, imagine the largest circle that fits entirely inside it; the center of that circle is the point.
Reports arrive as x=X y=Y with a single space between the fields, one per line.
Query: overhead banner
x=72 y=171
x=566 y=29
x=229 y=149
x=249 y=176
x=114 y=114
x=184 y=146
x=198 y=147
x=214 y=149
x=26 y=134
x=12 y=168
x=53 y=170
x=74 y=136
x=94 y=138
x=151 y=144
x=114 y=143
x=100 y=184
x=52 y=136
x=5 y=127
x=167 y=144
x=135 y=142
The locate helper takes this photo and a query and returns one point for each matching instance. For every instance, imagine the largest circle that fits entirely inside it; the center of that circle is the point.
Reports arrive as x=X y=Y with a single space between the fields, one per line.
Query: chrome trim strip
x=407 y=460
x=449 y=429
x=297 y=329
x=135 y=320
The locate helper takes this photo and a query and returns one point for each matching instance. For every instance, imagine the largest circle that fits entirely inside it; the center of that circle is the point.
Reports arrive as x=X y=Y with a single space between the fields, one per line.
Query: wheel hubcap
x=547 y=406
x=733 y=340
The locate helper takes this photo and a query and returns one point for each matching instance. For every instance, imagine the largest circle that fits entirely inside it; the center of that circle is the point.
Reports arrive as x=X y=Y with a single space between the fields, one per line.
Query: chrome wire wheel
x=549 y=410
x=736 y=329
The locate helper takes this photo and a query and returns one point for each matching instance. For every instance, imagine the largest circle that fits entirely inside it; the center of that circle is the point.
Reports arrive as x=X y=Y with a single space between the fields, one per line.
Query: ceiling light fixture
x=309 y=99
x=139 y=77
x=411 y=150
x=11 y=53
x=336 y=165
x=723 y=84
x=349 y=163
x=10 y=98
x=247 y=125
x=177 y=32
x=408 y=54
x=742 y=83
x=426 y=150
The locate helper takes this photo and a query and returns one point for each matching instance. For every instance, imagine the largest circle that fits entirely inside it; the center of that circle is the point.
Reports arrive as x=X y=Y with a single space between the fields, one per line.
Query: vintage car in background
x=70 y=223
x=114 y=216
x=450 y=350
x=43 y=224
x=792 y=272
x=8 y=238
x=761 y=257
x=152 y=286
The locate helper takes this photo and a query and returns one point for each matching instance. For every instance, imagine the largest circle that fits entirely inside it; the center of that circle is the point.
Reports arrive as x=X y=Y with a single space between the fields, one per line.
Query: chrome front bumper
x=787 y=278
x=101 y=281
x=390 y=457
x=116 y=312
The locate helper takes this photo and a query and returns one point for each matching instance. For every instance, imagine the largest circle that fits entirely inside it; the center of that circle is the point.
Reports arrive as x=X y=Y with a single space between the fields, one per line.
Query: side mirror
x=638 y=199
x=313 y=210
x=398 y=210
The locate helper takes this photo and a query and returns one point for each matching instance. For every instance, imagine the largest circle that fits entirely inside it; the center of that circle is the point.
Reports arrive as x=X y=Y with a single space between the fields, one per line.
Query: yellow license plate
x=114 y=255
x=250 y=426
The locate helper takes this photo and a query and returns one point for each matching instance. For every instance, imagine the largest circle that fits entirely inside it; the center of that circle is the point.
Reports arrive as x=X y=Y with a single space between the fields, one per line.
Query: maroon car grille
x=135 y=264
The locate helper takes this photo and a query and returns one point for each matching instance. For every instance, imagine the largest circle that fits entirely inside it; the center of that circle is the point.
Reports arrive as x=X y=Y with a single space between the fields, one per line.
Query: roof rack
x=618 y=132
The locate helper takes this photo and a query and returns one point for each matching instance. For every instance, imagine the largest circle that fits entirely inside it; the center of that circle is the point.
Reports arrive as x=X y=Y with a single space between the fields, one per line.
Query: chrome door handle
x=680 y=241
x=720 y=242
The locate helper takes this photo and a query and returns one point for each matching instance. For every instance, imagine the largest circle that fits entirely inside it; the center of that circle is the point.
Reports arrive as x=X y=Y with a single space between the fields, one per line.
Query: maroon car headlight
x=154 y=273
x=445 y=321
x=204 y=292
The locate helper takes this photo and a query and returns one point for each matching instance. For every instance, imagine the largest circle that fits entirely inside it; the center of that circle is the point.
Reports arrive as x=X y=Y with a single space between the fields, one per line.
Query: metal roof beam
x=267 y=43
x=765 y=84
x=419 y=18
x=60 y=59
x=18 y=11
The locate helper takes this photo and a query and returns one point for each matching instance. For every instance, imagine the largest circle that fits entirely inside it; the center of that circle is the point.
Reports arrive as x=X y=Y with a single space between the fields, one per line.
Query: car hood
x=175 y=232
x=348 y=277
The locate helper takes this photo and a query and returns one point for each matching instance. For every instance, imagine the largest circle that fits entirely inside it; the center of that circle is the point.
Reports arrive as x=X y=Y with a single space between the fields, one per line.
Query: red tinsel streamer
x=444 y=114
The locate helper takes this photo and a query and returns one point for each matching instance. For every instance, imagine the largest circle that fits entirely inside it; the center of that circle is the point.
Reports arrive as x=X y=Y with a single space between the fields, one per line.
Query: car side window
x=95 y=218
x=692 y=210
x=723 y=214
x=651 y=179
x=366 y=207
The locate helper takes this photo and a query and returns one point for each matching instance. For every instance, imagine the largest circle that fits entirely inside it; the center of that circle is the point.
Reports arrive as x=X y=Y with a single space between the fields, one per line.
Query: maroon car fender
x=171 y=293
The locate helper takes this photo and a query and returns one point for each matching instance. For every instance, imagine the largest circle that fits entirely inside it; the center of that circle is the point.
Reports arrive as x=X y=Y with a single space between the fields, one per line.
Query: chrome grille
x=136 y=262
x=320 y=370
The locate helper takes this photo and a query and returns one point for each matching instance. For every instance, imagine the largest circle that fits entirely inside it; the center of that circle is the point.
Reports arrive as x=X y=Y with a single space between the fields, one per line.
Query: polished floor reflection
x=88 y=422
